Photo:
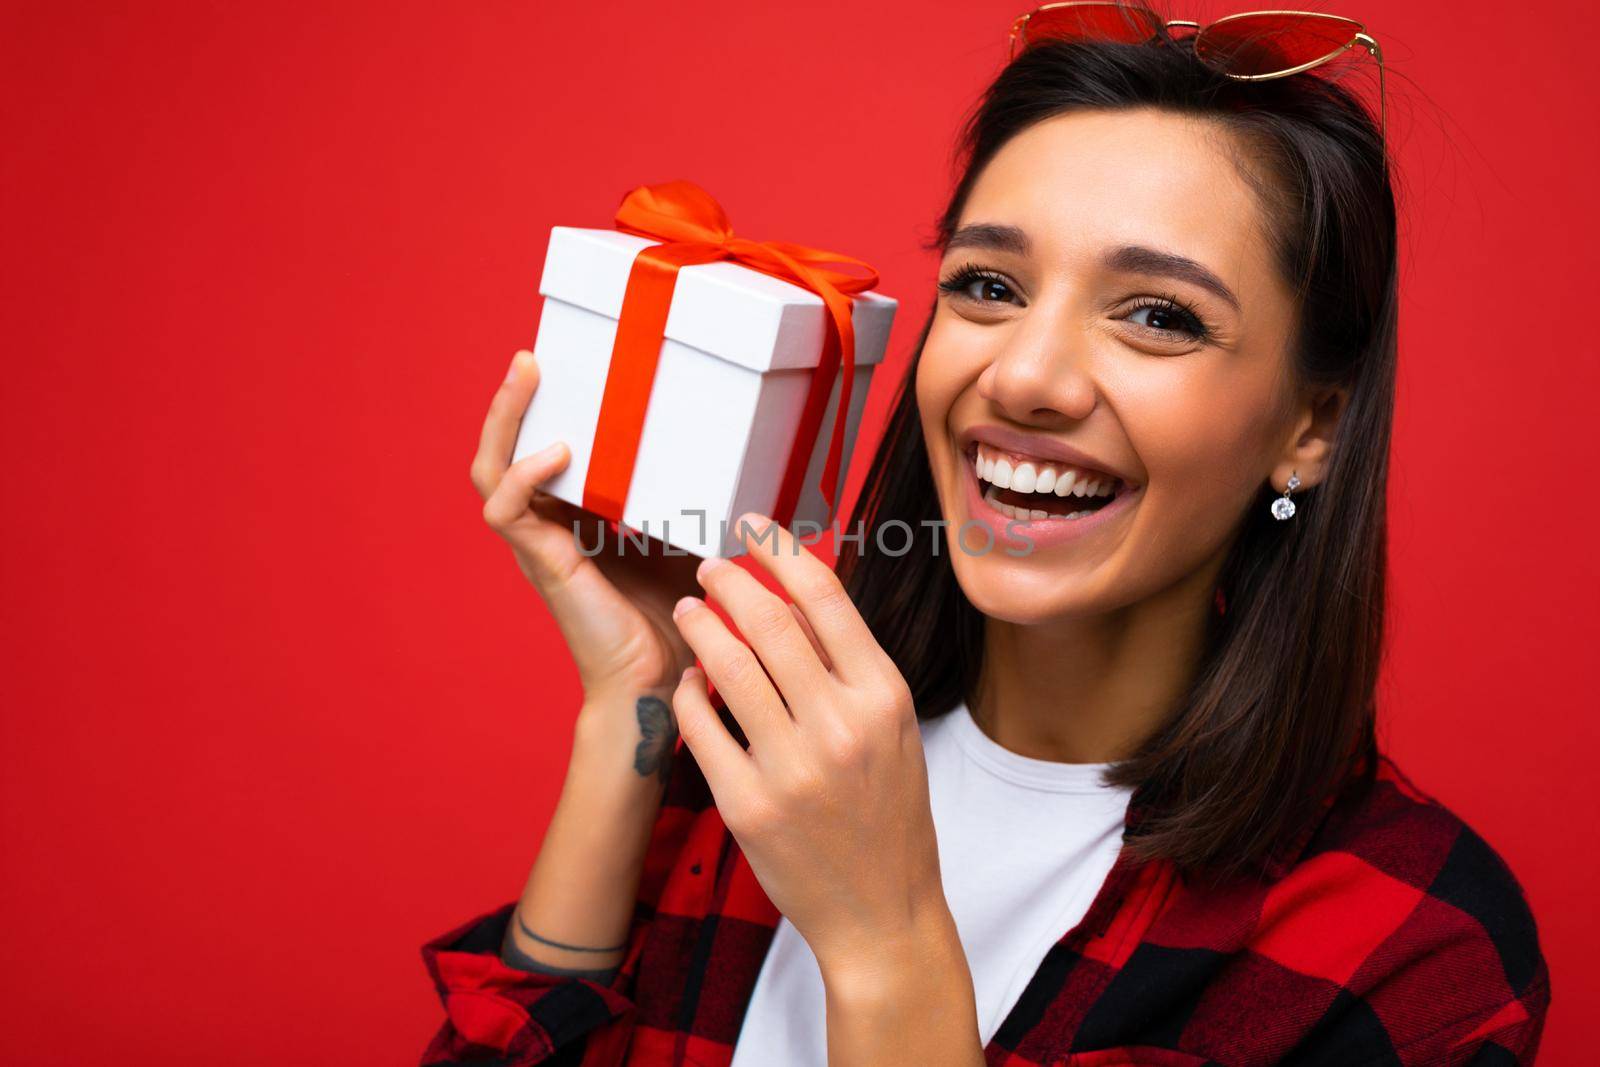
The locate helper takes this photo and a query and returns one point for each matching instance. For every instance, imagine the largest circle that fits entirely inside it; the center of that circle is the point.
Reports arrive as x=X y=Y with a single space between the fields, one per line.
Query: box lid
x=725 y=308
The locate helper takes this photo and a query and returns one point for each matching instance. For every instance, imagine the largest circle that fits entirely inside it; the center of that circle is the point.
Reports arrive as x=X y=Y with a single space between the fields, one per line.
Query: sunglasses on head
x=1248 y=46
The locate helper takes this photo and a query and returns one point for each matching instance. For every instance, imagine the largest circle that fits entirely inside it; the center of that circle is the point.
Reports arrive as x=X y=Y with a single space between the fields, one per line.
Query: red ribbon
x=694 y=229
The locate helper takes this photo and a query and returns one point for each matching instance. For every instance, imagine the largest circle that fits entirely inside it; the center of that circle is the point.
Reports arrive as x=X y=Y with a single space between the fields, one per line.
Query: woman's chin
x=1015 y=590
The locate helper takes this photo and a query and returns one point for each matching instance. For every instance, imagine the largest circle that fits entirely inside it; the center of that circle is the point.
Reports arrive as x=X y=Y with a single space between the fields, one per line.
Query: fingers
x=548 y=546
x=766 y=622
x=819 y=595
x=727 y=766
x=811 y=635
x=738 y=675
x=498 y=438
x=513 y=506
x=512 y=497
x=579 y=596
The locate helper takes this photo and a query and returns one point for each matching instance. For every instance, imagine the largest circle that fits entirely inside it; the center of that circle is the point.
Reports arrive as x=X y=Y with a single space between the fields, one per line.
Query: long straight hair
x=1282 y=708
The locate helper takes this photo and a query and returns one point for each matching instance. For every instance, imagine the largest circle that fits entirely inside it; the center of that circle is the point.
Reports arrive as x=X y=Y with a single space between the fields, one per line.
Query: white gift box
x=734 y=372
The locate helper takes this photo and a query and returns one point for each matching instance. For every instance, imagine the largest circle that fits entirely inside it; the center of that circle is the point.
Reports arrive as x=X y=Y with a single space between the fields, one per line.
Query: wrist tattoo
x=558 y=944
x=658 y=729
x=512 y=955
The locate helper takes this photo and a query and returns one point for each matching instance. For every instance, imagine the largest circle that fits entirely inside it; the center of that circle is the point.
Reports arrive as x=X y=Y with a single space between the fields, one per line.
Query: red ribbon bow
x=695 y=229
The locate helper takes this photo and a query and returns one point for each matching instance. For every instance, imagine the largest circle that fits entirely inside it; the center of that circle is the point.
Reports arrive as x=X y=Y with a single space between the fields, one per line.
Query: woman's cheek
x=938 y=384
x=1200 y=470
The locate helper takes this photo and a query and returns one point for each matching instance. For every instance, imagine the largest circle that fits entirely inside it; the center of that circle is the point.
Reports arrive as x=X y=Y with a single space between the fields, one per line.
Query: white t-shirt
x=1024 y=847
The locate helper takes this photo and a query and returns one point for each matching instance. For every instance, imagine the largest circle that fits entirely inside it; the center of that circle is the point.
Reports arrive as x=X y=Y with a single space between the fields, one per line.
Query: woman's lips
x=1039 y=533
x=1045 y=450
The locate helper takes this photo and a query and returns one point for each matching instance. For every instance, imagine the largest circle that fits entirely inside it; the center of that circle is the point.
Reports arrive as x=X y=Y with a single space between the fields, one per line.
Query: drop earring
x=1283 y=507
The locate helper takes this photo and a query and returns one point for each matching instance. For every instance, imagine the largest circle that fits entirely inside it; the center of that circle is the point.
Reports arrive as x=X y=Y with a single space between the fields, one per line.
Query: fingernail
x=549 y=451
x=685 y=604
x=755 y=520
x=706 y=566
x=519 y=363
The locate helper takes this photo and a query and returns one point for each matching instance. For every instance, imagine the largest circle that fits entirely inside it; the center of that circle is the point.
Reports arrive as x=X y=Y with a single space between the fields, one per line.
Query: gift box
x=696 y=375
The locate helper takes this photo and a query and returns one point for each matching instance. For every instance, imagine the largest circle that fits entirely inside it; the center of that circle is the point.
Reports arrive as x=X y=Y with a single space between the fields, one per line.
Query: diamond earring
x=1283 y=507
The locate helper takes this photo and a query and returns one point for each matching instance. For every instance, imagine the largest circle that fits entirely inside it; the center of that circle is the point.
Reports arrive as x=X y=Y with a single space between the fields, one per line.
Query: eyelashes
x=1190 y=322
x=965 y=275
x=1170 y=304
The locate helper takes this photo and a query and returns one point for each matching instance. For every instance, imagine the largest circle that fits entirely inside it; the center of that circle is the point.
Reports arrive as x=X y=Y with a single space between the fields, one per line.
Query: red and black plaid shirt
x=1387 y=933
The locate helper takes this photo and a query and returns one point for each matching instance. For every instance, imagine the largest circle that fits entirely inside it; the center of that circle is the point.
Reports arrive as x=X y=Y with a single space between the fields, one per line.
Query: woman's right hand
x=614 y=608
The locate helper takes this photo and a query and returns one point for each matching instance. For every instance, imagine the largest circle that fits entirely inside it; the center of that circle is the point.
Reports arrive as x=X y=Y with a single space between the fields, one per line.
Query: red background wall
x=278 y=707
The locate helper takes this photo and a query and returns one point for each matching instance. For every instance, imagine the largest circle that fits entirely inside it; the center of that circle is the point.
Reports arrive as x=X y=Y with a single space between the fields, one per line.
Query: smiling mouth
x=1025 y=489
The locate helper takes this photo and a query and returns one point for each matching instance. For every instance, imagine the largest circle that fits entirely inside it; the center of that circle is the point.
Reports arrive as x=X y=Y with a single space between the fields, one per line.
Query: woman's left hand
x=830 y=803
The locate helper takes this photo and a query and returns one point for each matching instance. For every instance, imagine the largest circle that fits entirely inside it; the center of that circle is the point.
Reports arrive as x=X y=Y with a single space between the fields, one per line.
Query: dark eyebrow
x=1136 y=259
x=990 y=235
x=1129 y=259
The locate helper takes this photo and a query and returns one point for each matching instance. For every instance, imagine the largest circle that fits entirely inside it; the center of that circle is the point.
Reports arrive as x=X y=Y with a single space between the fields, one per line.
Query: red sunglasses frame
x=1137 y=17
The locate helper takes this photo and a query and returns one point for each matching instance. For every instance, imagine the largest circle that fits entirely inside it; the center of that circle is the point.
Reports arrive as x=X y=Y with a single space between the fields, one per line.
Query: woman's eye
x=987 y=289
x=1170 y=318
x=976 y=287
x=1166 y=315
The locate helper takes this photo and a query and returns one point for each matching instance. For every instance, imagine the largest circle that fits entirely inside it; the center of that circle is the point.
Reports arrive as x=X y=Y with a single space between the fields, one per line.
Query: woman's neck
x=1091 y=689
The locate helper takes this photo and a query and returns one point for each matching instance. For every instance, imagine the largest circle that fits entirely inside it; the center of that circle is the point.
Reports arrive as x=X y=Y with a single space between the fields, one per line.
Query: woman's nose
x=1041 y=376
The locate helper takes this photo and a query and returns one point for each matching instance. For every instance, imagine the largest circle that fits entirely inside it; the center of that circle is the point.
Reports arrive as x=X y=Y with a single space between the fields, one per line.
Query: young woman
x=1088 y=775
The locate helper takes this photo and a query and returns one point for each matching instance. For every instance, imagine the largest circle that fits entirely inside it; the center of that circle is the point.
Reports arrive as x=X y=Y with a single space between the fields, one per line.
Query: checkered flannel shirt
x=1387 y=932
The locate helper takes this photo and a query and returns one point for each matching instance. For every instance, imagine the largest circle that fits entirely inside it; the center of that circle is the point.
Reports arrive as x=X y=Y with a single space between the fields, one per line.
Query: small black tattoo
x=512 y=955
x=561 y=944
x=658 y=729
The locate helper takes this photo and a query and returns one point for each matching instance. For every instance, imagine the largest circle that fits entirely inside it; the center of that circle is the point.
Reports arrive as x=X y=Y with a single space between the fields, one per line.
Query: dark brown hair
x=1282 y=707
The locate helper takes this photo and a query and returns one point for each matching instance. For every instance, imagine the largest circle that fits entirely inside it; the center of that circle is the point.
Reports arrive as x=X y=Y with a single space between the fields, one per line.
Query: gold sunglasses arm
x=1373 y=50
x=1016 y=30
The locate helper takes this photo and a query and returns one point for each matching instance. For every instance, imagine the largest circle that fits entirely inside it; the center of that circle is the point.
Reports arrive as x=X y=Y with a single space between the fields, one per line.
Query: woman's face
x=1128 y=323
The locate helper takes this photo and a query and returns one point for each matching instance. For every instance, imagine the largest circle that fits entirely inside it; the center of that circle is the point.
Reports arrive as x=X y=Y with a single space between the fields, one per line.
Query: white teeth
x=1025 y=514
x=999 y=505
x=1027 y=477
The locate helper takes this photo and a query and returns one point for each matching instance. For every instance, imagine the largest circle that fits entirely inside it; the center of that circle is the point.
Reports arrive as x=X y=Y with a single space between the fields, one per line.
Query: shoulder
x=1410 y=910
x=1437 y=870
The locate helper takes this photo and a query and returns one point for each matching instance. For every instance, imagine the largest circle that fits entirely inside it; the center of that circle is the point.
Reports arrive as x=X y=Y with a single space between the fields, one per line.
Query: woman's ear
x=1315 y=423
